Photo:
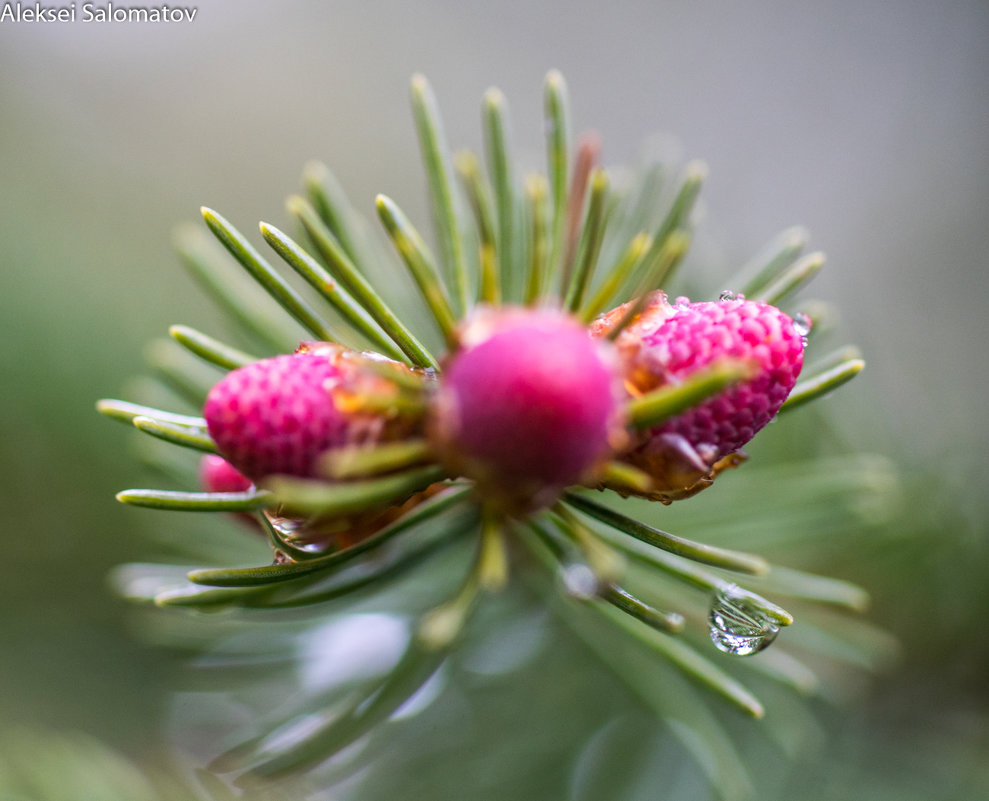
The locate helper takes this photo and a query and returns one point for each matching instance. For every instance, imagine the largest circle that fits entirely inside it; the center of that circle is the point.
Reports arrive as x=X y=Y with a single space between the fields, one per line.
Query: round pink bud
x=528 y=405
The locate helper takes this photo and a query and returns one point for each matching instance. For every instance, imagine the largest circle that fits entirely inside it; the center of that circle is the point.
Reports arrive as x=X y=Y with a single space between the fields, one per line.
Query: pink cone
x=277 y=415
x=669 y=343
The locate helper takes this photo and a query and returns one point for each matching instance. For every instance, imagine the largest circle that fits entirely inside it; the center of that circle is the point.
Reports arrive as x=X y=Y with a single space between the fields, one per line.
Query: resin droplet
x=738 y=627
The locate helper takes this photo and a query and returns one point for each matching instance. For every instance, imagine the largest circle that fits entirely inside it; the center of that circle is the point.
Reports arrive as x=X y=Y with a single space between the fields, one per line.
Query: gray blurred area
x=867 y=122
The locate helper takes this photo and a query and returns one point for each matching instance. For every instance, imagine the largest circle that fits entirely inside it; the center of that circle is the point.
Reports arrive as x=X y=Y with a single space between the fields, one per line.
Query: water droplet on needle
x=802 y=325
x=580 y=581
x=738 y=627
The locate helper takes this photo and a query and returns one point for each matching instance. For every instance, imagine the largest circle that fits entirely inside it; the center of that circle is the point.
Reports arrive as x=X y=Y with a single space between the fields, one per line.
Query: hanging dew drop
x=285 y=526
x=291 y=531
x=802 y=325
x=737 y=626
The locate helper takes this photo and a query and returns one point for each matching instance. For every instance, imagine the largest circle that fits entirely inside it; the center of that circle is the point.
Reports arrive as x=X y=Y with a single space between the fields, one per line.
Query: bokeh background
x=865 y=121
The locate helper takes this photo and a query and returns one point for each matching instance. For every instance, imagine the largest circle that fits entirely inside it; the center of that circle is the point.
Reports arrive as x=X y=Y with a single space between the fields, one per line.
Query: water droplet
x=286 y=526
x=293 y=532
x=726 y=295
x=682 y=302
x=802 y=325
x=579 y=580
x=738 y=627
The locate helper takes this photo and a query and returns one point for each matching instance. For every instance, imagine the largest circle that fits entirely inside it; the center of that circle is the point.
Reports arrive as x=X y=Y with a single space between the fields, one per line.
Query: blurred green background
x=864 y=121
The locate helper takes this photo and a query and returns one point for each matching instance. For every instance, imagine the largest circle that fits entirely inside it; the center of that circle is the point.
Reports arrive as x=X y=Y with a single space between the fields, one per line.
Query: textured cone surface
x=279 y=414
x=672 y=343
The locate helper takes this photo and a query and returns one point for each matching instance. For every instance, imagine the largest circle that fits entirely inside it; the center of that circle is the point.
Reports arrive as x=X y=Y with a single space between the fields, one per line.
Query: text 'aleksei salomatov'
x=92 y=12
